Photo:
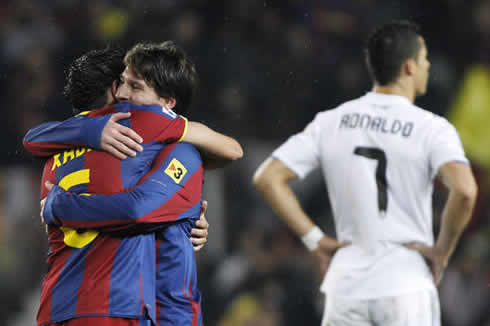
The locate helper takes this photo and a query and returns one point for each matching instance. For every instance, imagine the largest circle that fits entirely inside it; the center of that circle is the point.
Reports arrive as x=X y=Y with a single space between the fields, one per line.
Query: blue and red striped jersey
x=91 y=272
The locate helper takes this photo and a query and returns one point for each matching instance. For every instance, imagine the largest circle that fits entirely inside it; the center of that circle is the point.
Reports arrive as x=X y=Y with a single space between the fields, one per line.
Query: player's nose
x=122 y=93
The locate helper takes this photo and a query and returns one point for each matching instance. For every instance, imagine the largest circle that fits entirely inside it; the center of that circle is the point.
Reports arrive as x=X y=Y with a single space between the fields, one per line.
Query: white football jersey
x=379 y=155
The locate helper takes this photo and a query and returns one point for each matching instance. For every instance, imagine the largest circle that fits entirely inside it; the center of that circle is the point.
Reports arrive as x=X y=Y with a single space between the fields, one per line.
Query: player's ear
x=409 y=66
x=169 y=102
x=114 y=86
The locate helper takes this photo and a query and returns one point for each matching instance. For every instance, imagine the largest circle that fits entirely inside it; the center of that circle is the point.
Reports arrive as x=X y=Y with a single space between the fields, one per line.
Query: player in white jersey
x=379 y=155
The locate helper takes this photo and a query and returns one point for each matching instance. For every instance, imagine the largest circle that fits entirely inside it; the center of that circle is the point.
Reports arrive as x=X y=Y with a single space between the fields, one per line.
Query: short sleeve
x=156 y=123
x=175 y=131
x=445 y=146
x=300 y=152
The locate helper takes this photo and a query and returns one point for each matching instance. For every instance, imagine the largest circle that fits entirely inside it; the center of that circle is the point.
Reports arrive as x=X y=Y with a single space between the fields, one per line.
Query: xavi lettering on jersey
x=66 y=156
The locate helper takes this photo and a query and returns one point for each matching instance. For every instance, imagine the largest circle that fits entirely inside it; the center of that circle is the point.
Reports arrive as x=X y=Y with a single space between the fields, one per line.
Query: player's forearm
x=162 y=196
x=78 y=211
x=456 y=215
x=144 y=204
x=217 y=149
x=279 y=195
x=53 y=137
x=43 y=140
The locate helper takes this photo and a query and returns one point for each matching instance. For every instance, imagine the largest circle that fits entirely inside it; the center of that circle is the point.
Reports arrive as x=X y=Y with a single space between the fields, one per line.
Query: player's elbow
x=25 y=143
x=467 y=194
x=470 y=193
x=27 y=138
x=262 y=181
x=32 y=148
x=231 y=151
x=235 y=152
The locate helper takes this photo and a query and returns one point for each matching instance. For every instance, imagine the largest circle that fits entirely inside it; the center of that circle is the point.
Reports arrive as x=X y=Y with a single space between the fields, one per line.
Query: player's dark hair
x=165 y=67
x=388 y=47
x=90 y=76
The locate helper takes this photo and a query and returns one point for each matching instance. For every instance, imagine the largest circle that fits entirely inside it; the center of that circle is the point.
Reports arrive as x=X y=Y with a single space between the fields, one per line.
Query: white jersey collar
x=379 y=98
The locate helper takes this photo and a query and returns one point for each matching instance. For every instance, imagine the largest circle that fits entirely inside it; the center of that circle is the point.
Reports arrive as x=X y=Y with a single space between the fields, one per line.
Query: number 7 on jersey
x=377 y=154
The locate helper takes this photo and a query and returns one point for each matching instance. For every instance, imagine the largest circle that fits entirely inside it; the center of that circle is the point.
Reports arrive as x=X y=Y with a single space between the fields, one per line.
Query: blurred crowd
x=266 y=68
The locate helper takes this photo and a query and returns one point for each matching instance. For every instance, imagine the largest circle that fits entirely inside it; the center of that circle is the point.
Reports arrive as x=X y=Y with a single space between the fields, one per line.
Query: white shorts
x=413 y=309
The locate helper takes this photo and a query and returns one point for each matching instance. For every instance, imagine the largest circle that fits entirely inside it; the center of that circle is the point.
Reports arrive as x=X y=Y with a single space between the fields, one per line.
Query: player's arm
x=272 y=181
x=459 y=180
x=448 y=162
x=102 y=132
x=169 y=191
x=216 y=149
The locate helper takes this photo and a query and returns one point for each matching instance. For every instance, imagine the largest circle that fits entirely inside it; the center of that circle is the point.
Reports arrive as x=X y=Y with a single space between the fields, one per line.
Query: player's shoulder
x=184 y=155
x=350 y=105
x=324 y=119
x=141 y=109
x=109 y=109
x=431 y=119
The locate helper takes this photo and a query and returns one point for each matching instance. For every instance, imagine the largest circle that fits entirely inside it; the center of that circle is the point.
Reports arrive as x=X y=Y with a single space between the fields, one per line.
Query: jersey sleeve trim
x=185 y=128
x=435 y=172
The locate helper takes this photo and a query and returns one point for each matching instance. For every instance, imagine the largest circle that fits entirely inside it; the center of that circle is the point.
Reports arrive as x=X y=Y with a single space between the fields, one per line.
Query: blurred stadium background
x=266 y=68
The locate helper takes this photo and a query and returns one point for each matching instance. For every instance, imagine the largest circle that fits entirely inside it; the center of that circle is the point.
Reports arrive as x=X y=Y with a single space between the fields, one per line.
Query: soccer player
x=123 y=269
x=379 y=155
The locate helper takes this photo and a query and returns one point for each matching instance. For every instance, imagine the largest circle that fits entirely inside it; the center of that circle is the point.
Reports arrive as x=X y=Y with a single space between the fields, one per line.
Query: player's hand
x=43 y=201
x=326 y=249
x=48 y=186
x=118 y=140
x=199 y=234
x=435 y=257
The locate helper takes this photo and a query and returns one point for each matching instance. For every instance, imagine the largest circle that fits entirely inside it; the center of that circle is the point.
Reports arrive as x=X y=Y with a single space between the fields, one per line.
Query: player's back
x=92 y=273
x=376 y=157
x=379 y=155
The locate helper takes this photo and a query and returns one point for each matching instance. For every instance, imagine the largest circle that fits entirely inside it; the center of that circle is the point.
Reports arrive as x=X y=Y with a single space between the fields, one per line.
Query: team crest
x=176 y=170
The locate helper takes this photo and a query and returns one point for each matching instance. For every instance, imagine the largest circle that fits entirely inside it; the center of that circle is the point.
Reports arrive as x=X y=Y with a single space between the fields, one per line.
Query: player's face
x=423 y=65
x=136 y=90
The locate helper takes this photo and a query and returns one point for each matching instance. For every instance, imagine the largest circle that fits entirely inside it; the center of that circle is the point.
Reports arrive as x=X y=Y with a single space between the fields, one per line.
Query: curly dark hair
x=388 y=47
x=165 y=67
x=90 y=76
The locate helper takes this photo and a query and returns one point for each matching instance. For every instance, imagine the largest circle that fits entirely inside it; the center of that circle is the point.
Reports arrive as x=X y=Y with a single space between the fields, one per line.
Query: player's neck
x=397 y=88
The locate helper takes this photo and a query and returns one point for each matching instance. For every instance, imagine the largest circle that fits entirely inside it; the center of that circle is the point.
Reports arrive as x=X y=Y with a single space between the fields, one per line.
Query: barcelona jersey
x=91 y=272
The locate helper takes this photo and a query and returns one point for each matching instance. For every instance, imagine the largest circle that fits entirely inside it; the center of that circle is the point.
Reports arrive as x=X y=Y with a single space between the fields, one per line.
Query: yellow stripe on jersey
x=75 y=178
x=75 y=239
x=72 y=237
x=185 y=129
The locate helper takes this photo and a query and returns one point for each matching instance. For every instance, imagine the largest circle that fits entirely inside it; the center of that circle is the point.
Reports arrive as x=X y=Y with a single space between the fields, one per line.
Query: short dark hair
x=90 y=76
x=388 y=47
x=165 y=67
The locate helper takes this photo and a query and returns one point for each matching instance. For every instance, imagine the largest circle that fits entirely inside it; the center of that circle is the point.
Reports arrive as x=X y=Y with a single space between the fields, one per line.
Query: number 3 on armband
x=73 y=238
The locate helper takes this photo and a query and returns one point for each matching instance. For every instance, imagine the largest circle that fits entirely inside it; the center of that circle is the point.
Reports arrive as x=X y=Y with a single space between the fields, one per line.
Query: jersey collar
x=378 y=98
